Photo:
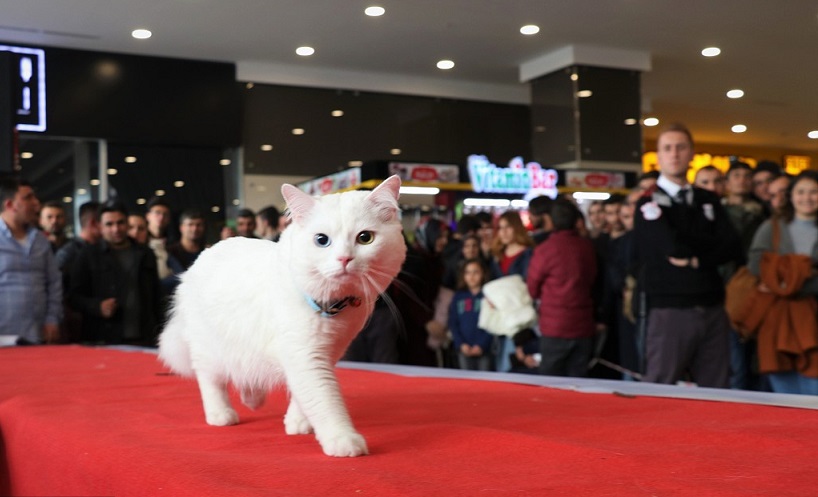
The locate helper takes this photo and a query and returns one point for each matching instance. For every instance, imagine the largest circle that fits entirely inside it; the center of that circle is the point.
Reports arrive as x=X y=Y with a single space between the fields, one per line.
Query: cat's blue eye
x=322 y=240
x=366 y=237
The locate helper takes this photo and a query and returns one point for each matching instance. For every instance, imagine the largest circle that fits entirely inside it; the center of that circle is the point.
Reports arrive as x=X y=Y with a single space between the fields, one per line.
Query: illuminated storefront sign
x=28 y=86
x=594 y=179
x=332 y=183
x=425 y=173
x=528 y=179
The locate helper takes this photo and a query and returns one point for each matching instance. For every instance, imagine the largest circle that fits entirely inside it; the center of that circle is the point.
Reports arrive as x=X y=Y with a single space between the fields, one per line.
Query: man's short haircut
x=736 y=165
x=191 y=214
x=769 y=166
x=113 y=206
x=89 y=211
x=709 y=167
x=270 y=214
x=246 y=213
x=467 y=224
x=540 y=206
x=484 y=218
x=9 y=185
x=54 y=204
x=153 y=202
x=614 y=199
x=675 y=127
x=564 y=214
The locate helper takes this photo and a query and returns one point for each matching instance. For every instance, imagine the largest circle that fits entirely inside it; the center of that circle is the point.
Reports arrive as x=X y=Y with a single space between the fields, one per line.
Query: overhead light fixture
x=591 y=195
x=519 y=204
x=711 y=51
x=178 y=184
x=112 y=172
x=26 y=155
x=739 y=128
x=650 y=121
x=141 y=34
x=355 y=163
x=419 y=190
x=94 y=182
x=735 y=93
x=236 y=202
x=215 y=208
x=249 y=86
x=395 y=151
x=487 y=202
x=445 y=64
x=225 y=162
x=81 y=191
x=530 y=29
x=130 y=159
x=67 y=200
x=375 y=11
x=305 y=51
x=574 y=76
x=630 y=121
x=141 y=201
x=584 y=93
x=813 y=134
x=266 y=147
x=160 y=193
x=298 y=131
x=337 y=113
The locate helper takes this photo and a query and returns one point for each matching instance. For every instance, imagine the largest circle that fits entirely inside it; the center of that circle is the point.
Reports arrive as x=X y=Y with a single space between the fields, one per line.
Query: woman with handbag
x=784 y=254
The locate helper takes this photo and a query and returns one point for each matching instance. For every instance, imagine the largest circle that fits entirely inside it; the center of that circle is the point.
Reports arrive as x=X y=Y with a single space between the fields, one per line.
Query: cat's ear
x=385 y=198
x=299 y=202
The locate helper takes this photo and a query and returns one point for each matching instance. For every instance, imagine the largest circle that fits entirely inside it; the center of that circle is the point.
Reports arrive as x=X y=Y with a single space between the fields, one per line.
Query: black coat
x=96 y=275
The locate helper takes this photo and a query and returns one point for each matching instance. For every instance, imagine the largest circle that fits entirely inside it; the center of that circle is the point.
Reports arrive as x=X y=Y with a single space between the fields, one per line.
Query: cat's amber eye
x=366 y=237
x=322 y=240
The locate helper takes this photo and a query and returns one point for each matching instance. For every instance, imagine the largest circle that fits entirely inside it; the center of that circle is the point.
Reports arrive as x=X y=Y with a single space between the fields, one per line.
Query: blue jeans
x=792 y=382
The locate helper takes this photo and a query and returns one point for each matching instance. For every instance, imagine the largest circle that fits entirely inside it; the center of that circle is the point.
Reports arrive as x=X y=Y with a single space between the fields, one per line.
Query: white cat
x=256 y=313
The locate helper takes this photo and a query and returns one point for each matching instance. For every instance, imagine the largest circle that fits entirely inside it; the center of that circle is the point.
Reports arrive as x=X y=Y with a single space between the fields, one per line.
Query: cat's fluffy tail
x=173 y=349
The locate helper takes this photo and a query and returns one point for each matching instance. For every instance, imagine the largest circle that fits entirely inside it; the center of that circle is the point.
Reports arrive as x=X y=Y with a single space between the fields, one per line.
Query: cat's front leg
x=216 y=403
x=317 y=395
x=295 y=423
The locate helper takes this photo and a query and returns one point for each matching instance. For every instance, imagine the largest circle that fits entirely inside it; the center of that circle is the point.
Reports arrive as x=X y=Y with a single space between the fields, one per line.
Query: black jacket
x=702 y=229
x=96 y=275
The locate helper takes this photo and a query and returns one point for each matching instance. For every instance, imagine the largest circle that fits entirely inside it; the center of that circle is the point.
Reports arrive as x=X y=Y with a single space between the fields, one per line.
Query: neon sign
x=29 y=87
x=528 y=179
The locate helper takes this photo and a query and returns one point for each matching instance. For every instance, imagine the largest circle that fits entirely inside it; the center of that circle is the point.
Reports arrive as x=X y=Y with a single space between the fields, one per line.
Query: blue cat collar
x=328 y=310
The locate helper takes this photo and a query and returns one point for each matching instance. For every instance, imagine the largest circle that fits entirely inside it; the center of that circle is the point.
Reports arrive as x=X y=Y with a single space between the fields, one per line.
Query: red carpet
x=78 y=421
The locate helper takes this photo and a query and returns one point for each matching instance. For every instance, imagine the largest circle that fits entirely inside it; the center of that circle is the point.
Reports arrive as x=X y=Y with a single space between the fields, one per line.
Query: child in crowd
x=473 y=345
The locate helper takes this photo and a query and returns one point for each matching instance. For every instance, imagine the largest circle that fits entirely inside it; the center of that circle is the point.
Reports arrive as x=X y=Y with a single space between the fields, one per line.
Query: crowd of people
x=632 y=289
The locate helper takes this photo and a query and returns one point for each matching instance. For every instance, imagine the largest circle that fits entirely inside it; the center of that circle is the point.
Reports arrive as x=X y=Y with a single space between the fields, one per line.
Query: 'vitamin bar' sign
x=530 y=179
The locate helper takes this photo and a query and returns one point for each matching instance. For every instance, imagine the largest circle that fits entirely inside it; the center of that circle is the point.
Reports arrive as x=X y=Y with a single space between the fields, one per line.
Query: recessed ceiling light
x=130 y=159
x=112 y=172
x=813 y=134
x=141 y=34
x=266 y=147
x=735 y=93
x=739 y=128
x=94 y=182
x=225 y=162
x=141 y=201
x=26 y=155
x=178 y=184
x=236 y=201
x=304 y=51
x=711 y=51
x=650 y=121
x=395 y=151
x=67 y=200
x=355 y=163
x=530 y=29
x=249 y=86
x=160 y=193
x=574 y=76
x=445 y=64
x=584 y=93
x=337 y=113
x=298 y=131
x=81 y=191
x=374 y=11
x=215 y=208
x=630 y=122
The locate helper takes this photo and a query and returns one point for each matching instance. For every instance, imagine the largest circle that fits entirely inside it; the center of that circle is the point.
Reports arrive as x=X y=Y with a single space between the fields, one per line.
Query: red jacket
x=561 y=275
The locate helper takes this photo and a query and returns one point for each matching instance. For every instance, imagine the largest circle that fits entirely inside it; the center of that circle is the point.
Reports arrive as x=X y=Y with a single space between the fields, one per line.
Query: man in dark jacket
x=682 y=234
x=115 y=285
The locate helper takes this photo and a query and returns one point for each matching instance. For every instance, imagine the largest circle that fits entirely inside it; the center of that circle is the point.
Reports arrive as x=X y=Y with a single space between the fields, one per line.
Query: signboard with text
x=528 y=179
x=594 y=179
x=425 y=173
x=333 y=182
x=28 y=84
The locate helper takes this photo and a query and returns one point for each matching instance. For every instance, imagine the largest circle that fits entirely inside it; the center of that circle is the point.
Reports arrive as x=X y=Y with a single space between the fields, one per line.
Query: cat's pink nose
x=345 y=261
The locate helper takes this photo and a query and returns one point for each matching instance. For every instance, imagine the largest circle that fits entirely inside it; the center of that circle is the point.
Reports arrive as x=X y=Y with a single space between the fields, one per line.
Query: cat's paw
x=350 y=444
x=296 y=425
x=222 y=417
x=253 y=398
